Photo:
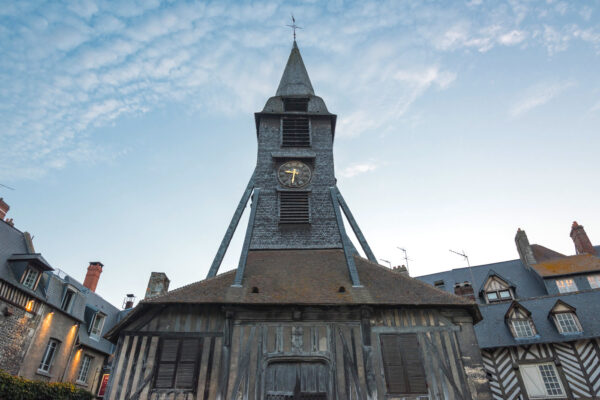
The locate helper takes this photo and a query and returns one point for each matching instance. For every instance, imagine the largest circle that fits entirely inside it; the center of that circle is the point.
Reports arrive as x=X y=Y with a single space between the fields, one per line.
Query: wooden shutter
x=167 y=363
x=295 y=132
x=294 y=208
x=186 y=367
x=404 y=373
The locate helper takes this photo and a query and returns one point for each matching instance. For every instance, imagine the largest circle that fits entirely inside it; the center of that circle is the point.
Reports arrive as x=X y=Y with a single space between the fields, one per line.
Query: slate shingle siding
x=323 y=231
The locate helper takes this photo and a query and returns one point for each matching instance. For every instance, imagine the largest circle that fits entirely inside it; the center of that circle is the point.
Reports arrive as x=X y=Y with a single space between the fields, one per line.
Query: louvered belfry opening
x=294 y=208
x=404 y=373
x=295 y=104
x=295 y=132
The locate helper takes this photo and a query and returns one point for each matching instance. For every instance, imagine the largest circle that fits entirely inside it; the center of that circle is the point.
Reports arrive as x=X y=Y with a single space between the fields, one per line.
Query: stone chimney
x=3 y=208
x=93 y=275
x=524 y=249
x=157 y=285
x=581 y=240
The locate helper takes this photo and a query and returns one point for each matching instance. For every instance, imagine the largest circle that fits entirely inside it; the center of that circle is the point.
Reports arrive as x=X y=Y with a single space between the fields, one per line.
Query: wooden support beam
x=214 y=268
x=359 y=235
x=239 y=274
x=345 y=241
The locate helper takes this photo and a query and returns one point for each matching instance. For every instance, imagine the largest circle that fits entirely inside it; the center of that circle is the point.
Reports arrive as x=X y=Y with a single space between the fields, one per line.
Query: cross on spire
x=294 y=26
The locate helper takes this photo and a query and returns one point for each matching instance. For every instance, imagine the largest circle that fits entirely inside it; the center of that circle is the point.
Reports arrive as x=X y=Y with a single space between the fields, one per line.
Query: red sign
x=103 y=384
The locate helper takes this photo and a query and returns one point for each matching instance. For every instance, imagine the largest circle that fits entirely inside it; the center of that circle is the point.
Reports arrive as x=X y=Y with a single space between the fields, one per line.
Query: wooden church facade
x=303 y=316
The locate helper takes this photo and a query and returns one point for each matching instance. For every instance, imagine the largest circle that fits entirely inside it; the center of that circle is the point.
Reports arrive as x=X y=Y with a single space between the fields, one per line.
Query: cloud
x=537 y=96
x=357 y=169
x=67 y=67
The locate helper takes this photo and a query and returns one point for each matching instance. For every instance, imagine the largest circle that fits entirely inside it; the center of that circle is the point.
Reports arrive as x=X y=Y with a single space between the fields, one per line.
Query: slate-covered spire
x=295 y=80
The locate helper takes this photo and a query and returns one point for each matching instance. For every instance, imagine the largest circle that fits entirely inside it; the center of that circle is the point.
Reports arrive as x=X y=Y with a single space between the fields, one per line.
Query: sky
x=127 y=128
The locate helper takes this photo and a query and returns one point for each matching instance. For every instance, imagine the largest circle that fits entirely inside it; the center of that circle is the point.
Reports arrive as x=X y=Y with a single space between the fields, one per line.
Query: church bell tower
x=296 y=204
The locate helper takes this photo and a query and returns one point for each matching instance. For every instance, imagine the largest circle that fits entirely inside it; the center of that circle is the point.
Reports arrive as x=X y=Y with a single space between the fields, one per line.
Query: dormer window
x=67 y=301
x=497 y=289
x=30 y=278
x=594 y=281
x=519 y=322
x=565 y=318
x=566 y=285
x=97 y=325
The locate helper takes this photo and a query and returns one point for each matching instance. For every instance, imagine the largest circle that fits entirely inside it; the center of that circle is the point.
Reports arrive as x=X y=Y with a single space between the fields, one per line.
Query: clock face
x=294 y=174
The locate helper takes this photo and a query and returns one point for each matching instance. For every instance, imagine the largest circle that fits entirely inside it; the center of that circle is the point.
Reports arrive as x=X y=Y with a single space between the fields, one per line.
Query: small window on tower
x=295 y=104
x=295 y=132
x=294 y=208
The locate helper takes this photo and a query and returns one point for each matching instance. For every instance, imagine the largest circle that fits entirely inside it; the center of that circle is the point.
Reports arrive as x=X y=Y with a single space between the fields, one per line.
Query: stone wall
x=16 y=331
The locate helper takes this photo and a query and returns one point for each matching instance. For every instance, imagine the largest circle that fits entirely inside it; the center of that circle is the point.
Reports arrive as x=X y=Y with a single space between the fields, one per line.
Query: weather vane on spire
x=294 y=26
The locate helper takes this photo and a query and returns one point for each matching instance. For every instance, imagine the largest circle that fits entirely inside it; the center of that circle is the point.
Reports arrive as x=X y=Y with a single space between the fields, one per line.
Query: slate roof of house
x=493 y=332
x=530 y=292
x=542 y=253
x=14 y=257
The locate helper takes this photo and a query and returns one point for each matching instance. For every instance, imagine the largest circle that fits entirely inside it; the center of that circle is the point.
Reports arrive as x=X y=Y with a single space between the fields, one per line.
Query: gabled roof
x=578 y=264
x=492 y=273
x=542 y=253
x=559 y=303
x=513 y=305
x=295 y=80
x=34 y=258
x=308 y=277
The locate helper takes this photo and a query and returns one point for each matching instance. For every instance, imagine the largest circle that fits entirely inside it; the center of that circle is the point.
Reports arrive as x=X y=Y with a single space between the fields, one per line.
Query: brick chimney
x=93 y=275
x=157 y=285
x=524 y=248
x=464 y=289
x=581 y=240
x=3 y=208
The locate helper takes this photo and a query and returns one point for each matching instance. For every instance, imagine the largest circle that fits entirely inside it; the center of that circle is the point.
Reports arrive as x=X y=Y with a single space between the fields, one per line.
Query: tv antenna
x=8 y=187
x=386 y=261
x=294 y=26
x=406 y=259
x=464 y=255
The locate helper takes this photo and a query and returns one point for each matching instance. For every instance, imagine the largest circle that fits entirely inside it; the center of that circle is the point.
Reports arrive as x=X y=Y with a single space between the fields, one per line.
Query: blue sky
x=127 y=128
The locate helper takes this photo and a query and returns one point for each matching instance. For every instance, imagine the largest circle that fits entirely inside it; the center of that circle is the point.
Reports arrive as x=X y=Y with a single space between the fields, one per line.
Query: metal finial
x=294 y=26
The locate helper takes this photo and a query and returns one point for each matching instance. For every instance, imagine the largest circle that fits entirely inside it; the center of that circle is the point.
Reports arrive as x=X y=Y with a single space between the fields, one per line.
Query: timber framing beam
x=214 y=268
x=359 y=235
x=345 y=240
x=239 y=274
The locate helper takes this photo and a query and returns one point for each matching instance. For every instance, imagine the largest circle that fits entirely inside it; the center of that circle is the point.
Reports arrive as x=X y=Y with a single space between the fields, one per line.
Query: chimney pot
x=3 y=208
x=93 y=275
x=581 y=240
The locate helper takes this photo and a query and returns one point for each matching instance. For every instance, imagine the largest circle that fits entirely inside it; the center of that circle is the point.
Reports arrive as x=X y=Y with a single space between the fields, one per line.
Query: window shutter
x=88 y=317
x=294 y=208
x=186 y=368
x=295 y=132
x=404 y=373
x=167 y=364
x=532 y=380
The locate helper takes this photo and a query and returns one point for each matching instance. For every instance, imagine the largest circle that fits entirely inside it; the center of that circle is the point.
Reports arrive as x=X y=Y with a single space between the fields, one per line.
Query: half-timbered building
x=540 y=333
x=303 y=316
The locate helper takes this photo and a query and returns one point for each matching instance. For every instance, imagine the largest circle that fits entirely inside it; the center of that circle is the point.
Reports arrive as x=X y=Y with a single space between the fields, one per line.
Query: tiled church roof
x=311 y=277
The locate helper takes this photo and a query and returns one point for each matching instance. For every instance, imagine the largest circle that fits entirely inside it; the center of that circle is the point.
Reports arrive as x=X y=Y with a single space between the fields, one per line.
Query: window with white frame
x=30 y=278
x=522 y=328
x=97 y=324
x=594 y=281
x=566 y=285
x=48 y=357
x=541 y=381
x=567 y=322
x=84 y=369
